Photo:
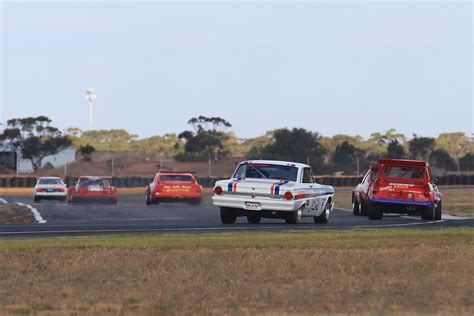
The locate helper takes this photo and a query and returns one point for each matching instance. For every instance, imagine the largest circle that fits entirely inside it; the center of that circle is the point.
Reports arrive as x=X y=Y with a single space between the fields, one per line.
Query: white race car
x=273 y=189
x=50 y=188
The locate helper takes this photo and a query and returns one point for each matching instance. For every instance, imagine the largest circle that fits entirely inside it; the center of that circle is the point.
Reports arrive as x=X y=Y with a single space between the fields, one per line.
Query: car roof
x=47 y=178
x=276 y=162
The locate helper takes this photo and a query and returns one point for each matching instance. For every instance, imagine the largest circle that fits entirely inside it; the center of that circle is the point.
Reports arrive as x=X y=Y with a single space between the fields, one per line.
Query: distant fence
x=135 y=182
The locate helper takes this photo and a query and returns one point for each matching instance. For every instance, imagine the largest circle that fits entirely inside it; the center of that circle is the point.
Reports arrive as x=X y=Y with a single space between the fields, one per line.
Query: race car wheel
x=294 y=217
x=37 y=199
x=228 y=215
x=324 y=217
x=438 y=211
x=148 y=201
x=254 y=218
x=355 y=206
x=428 y=213
x=374 y=212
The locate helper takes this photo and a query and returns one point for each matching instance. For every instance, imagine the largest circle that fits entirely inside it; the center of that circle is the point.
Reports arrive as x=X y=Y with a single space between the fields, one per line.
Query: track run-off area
x=131 y=215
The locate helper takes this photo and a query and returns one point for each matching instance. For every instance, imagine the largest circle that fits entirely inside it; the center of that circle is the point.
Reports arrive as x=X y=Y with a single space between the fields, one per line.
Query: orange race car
x=173 y=186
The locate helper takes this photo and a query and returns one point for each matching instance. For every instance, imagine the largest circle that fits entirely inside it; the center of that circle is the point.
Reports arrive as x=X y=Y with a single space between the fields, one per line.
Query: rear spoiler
x=402 y=162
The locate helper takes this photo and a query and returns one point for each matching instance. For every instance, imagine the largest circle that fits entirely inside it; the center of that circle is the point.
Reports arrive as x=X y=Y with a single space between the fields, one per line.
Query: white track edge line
x=35 y=212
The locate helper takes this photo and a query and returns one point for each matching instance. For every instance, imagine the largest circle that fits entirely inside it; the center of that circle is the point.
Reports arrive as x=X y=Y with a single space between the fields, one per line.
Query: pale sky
x=331 y=67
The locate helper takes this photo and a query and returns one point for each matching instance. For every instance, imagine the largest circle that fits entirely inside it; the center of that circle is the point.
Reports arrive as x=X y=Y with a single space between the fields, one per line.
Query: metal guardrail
x=135 y=182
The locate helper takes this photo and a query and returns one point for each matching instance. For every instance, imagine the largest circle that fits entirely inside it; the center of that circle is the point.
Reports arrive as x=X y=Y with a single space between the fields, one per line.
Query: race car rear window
x=403 y=172
x=176 y=177
x=267 y=171
x=94 y=182
x=50 y=181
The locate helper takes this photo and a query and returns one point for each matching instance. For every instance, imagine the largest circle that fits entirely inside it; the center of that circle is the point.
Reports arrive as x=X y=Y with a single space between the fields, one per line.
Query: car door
x=362 y=187
x=313 y=200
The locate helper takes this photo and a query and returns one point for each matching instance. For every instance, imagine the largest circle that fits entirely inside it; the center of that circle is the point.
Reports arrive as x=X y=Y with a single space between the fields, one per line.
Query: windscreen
x=176 y=177
x=267 y=171
x=50 y=181
x=87 y=182
x=403 y=172
x=374 y=175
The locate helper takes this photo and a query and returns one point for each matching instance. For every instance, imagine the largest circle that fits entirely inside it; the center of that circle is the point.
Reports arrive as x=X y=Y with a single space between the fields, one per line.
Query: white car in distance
x=50 y=188
x=273 y=189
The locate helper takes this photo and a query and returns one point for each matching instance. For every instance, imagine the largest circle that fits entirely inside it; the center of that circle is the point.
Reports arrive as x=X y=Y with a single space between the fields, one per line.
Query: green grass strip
x=360 y=238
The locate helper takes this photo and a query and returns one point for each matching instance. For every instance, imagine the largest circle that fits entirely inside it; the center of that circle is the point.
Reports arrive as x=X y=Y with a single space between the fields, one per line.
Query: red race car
x=404 y=186
x=360 y=194
x=92 y=190
x=173 y=186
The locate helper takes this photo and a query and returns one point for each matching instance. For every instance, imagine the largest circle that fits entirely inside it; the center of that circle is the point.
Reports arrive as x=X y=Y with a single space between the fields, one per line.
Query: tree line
x=210 y=138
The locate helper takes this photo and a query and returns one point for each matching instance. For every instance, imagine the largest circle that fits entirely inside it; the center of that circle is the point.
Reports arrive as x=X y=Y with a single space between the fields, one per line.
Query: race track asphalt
x=131 y=215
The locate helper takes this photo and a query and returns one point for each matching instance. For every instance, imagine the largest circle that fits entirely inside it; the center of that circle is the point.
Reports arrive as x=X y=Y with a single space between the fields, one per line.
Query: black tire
x=228 y=215
x=148 y=201
x=294 y=217
x=37 y=199
x=323 y=218
x=254 y=218
x=363 y=208
x=355 y=206
x=438 y=211
x=374 y=212
x=63 y=199
x=428 y=213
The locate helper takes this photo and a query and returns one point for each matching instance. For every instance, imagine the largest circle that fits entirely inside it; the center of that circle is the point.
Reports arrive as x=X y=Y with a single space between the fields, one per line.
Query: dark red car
x=93 y=190
x=404 y=186
x=173 y=186
x=360 y=194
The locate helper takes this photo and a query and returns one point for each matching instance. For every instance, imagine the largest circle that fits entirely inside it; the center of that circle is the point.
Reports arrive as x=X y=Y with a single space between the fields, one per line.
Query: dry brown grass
x=15 y=214
x=457 y=200
x=413 y=273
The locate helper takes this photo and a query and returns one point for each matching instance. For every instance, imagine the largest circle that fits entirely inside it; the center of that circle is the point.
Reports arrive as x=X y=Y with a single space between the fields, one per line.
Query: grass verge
x=15 y=214
x=359 y=271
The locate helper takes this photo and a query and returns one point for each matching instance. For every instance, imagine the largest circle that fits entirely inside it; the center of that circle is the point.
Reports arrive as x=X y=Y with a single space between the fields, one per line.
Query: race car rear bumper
x=50 y=195
x=177 y=195
x=268 y=204
x=402 y=202
x=94 y=199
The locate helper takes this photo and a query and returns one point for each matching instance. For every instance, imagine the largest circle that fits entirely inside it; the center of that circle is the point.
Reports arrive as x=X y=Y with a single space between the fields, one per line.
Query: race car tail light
x=39 y=190
x=427 y=190
x=218 y=190
x=288 y=196
x=61 y=190
x=83 y=190
x=375 y=188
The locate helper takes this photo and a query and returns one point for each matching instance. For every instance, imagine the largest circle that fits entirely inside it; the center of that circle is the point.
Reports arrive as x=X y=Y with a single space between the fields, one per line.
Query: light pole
x=90 y=97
